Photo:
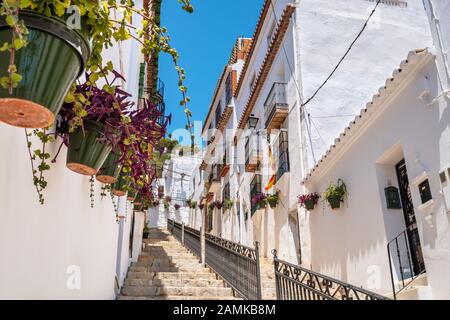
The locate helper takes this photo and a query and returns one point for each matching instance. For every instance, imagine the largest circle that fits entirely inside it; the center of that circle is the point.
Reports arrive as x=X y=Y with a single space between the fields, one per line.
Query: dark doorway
x=415 y=249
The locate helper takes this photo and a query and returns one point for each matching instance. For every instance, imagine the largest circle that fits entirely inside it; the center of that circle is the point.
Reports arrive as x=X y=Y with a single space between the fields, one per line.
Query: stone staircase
x=167 y=271
x=267 y=280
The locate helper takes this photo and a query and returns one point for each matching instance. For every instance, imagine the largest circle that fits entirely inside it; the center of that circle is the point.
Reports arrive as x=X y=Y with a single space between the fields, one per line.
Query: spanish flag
x=273 y=178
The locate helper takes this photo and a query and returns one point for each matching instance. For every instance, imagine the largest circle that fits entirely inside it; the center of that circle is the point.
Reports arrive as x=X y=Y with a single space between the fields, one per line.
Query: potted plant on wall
x=109 y=172
x=177 y=206
x=201 y=206
x=259 y=200
x=193 y=205
x=46 y=45
x=146 y=232
x=218 y=204
x=335 y=194
x=308 y=201
x=273 y=199
x=228 y=204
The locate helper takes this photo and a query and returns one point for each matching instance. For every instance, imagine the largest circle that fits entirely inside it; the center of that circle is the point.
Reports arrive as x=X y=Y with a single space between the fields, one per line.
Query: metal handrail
x=404 y=281
x=297 y=283
x=236 y=264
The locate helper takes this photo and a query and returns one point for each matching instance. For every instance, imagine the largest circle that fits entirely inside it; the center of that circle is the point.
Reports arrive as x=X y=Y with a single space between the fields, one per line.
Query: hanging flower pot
x=109 y=172
x=120 y=188
x=131 y=195
x=177 y=206
x=145 y=232
x=86 y=153
x=273 y=200
x=308 y=201
x=53 y=59
x=335 y=202
x=335 y=194
x=137 y=200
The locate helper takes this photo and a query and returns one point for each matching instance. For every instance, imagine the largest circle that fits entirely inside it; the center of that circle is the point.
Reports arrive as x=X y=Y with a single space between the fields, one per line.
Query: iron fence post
x=277 y=287
x=182 y=233
x=202 y=245
x=258 y=272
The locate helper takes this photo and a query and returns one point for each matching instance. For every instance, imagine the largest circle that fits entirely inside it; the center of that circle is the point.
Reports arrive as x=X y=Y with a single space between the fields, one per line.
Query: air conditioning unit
x=444 y=177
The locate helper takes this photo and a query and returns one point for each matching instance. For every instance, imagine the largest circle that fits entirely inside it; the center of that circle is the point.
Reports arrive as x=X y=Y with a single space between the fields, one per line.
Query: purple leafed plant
x=131 y=132
x=258 y=198
x=177 y=206
x=312 y=197
x=218 y=204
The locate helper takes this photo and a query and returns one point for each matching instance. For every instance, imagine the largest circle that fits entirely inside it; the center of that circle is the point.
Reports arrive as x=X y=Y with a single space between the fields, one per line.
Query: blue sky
x=204 y=40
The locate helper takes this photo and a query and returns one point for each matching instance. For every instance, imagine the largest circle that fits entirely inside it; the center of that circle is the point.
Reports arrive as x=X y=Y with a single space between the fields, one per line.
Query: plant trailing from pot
x=259 y=200
x=193 y=205
x=228 y=204
x=273 y=199
x=145 y=232
x=92 y=27
x=308 y=201
x=177 y=206
x=335 y=194
x=218 y=204
x=201 y=206
x=211 y=206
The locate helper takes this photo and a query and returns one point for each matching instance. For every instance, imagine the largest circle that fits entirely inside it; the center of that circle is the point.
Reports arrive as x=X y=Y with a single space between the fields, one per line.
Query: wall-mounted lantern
x=392 y=198
x=252 y=121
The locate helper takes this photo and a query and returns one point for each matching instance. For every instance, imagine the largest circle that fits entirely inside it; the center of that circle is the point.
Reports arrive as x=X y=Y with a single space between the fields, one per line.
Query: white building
x=294 y=49
x=176 y=184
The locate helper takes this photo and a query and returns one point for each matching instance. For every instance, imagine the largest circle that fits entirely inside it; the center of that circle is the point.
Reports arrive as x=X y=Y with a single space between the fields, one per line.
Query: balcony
x=276 y=107
x=225 y=166
x=253 y=154
x=222 y=121
x=214 y=179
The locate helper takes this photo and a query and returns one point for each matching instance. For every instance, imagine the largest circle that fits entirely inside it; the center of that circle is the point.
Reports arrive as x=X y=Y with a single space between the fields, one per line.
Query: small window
x=442 y=177
x=425 y=192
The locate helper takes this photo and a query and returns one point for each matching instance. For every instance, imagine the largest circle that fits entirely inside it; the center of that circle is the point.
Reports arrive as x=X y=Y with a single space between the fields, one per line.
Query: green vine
x=40 y=156
x=91 y=195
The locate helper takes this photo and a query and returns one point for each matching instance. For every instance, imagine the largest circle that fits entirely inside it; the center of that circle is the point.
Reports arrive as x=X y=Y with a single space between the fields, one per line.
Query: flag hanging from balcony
x=273 y=178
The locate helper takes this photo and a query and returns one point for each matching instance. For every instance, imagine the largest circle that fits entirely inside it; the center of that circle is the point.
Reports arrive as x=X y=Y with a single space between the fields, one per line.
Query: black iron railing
x=402 y=260
x=297 y=283
x=238 y=265
x=175 y=229
x=192 y=240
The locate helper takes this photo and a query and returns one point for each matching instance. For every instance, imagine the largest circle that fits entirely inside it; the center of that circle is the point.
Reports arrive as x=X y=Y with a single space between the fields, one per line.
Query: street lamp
x=252 y=121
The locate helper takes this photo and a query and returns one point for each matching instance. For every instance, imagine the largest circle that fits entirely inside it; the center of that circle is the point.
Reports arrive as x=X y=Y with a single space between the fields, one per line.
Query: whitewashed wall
x=39 y=244
x=348 y=243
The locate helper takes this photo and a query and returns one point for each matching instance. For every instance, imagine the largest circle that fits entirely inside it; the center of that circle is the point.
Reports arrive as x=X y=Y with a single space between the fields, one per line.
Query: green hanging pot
x=131 y=195
x=86 y=154
x=309 y=205
x=137 y=200
x=53 y=59
x=121 y=186
x=109 y=172
x=335 y=202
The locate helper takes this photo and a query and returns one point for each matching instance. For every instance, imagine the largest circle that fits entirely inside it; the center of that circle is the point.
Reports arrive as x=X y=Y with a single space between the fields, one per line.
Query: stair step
x=121 y=297
x=171 y=275
x=175 y=282
x=175 y=291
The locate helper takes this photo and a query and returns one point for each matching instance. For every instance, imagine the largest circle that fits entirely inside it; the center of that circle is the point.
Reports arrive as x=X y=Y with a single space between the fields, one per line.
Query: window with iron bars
x=282 y=153
x=228 y=89
x=255 y=188
x=226 y=192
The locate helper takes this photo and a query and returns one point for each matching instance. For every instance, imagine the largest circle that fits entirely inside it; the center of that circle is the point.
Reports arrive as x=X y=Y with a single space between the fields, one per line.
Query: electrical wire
x=344 y=56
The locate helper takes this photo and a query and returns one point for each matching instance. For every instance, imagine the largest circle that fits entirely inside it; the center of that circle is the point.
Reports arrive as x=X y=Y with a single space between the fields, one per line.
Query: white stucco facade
x=63 y=249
